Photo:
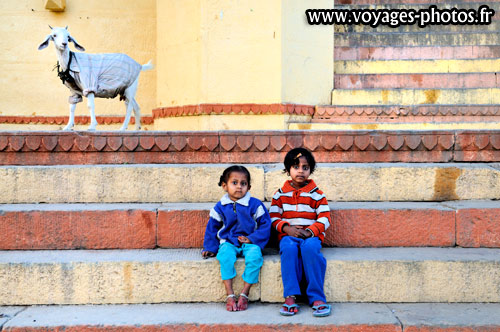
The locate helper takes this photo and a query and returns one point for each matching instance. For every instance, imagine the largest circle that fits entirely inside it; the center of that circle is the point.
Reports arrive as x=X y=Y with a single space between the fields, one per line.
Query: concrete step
x=182 y=225
x=416 y=81
x=348 y=317
x=410 y=97
x=416 y=66
x=416 y=53
x=374 y=39
x=181 y=275
x=198 y=183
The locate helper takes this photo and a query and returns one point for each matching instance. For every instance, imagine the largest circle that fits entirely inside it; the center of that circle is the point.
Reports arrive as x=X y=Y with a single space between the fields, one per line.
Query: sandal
x=229 y=307
x=325 y=311
x=288 y=307
x=245 y=298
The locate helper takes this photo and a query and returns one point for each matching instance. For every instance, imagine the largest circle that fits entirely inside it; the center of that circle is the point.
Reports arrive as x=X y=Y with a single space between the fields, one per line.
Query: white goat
x=96 y=75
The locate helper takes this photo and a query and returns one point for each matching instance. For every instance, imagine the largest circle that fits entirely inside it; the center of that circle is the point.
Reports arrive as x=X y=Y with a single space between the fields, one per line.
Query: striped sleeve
x=323 y=218
x=276 y=212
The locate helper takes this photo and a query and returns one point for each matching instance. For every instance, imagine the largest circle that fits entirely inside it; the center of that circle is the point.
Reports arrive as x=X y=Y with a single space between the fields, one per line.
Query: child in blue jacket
x=239 y=225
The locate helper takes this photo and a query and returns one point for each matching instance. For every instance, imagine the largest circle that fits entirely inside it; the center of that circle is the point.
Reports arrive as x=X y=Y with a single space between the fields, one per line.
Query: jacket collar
x=245 y=200
x=287 y=187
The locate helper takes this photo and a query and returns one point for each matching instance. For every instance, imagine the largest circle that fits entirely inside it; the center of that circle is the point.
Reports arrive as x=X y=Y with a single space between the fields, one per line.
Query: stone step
x=416 y=66
x=374 y=39
x=181 y=275
x=348 y=317
x=447 y=97
x=416 y=81
x=416 y=53
x=182 y=225
x=198 y=183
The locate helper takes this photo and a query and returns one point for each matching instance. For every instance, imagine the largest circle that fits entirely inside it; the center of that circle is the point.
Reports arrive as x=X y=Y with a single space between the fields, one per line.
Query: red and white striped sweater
x=306 y=207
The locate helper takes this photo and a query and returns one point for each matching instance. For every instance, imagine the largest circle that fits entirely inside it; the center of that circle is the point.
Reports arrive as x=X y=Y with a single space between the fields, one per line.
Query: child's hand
x=207 y=254
x=244 y=239
x=293 y=231
x=304 y=234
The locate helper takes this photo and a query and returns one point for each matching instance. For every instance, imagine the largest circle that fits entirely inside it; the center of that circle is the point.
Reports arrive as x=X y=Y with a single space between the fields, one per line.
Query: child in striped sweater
x=300 y=214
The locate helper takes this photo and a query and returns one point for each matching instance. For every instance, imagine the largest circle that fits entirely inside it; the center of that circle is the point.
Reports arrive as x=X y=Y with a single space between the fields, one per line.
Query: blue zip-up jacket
x=228 y=220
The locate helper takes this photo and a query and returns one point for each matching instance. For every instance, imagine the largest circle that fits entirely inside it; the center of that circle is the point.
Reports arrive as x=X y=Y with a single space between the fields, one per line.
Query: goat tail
x=147 y=66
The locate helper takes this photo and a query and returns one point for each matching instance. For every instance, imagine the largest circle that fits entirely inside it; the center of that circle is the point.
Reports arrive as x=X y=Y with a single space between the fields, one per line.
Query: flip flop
x=327 y=309
x=284 y=312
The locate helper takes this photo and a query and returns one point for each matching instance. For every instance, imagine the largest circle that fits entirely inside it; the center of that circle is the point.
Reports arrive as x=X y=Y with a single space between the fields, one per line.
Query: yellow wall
x=179 y=52
x=28 y=84
x=249 y=51
x=306 y=55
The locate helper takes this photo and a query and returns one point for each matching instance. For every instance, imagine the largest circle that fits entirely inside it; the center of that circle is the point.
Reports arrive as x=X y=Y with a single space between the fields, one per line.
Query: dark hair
x=292 y=158
x=236 y=168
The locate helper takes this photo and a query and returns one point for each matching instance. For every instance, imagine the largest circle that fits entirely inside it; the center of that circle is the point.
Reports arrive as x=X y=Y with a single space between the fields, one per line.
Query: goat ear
x=77 y=46
x=45 y=43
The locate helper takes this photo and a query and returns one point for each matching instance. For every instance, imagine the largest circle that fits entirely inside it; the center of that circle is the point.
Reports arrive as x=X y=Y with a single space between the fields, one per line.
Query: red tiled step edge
x=139 y=226
x=202 y=109
x=54 y=148
x=161 y=112
x=406 y=114
x=416 y=81
x=62 y=120
x=417 y=52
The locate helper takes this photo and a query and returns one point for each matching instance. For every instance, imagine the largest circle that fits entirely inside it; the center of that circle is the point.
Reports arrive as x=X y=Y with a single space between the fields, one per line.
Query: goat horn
x=66 y=28
x=50 y=27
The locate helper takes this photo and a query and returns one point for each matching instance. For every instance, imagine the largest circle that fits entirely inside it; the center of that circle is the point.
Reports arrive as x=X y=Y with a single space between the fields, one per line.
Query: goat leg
x=137 y=114
x=129 y=106
x=71 y=121
x=91 y=107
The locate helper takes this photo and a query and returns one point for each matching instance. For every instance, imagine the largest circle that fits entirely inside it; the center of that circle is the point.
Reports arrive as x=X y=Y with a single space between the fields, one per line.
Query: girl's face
x=300 y=173
x=236 y=186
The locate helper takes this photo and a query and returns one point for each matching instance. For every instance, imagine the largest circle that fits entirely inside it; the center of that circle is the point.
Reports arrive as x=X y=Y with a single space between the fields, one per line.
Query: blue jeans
x=228 y=254
x=303 y=256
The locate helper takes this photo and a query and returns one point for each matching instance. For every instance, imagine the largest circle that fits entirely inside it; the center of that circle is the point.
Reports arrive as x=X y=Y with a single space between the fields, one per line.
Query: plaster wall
x=250 y=51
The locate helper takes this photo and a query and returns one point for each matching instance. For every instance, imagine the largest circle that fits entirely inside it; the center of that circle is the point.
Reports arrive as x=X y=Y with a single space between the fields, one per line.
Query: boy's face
x=236 y=186
x=300 y=173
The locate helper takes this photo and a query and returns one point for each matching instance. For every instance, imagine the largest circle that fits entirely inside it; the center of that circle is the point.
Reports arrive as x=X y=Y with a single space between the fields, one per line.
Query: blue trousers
x=303 y=257
x=228 y=254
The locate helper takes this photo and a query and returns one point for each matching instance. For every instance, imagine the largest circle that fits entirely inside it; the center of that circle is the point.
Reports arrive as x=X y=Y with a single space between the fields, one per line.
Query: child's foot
x=243 y=302
x=289 y=308
x=231 y=303
x=321 y=309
